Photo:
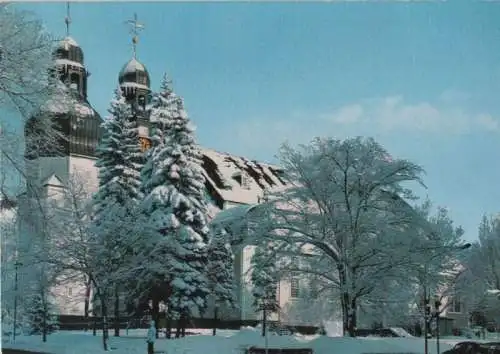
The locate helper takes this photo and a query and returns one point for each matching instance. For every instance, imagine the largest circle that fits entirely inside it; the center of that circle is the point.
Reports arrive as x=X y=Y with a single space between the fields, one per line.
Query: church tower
x=136 y=86
x=77 y=124
x=55 y=159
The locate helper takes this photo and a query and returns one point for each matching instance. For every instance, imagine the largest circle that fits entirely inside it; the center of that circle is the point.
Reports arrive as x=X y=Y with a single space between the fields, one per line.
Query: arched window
x=141 y=100
x=74 y=81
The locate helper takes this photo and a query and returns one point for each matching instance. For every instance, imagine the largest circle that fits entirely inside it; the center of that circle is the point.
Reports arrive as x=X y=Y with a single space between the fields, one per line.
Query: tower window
x=74 y=81
x=142 y=102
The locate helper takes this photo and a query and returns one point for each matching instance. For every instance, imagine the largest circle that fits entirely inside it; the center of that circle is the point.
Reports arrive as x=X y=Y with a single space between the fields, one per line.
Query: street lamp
x=427 y=309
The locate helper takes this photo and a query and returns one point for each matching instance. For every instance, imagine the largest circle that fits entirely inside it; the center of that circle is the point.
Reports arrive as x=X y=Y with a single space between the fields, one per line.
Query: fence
x=74 y=323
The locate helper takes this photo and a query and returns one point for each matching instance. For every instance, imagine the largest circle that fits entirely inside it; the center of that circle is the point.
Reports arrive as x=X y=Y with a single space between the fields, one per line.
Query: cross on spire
x=135 y=27
x=67 y=19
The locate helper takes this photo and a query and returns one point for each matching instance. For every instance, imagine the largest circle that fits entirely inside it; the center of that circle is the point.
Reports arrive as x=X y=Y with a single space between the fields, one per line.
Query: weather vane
x=67 y=19
x=135 y=27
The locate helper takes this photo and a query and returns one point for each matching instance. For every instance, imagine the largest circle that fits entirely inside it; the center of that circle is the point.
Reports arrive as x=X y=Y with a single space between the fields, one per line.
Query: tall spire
x=67 y=19
x=135 y=27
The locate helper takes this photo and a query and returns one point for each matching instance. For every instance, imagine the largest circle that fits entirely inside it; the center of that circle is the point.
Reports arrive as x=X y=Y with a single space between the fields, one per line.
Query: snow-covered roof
x=134 y=85
x=227 y=216
x=52 y=180
x=68 y=62
x=66 y=42
x=239 y=180
x=58 y=105
x=132 y=66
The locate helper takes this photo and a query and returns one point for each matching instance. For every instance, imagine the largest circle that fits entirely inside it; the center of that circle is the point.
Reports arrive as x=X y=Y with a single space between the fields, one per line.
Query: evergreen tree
x=264 y=278
x=155 y=285
x=119 y=162
x=176 y=208
x=41 y=314
x=164 y=108
x=220 y=273
x=119 y=157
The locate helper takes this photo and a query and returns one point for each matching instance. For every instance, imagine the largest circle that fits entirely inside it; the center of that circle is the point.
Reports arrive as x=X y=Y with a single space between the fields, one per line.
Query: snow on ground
x=226 y=342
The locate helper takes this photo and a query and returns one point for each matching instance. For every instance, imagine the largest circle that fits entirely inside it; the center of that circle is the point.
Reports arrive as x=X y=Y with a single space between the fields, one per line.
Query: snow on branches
x=348 y=209
x=25 y=61
x=220 y=270
x=173 y=185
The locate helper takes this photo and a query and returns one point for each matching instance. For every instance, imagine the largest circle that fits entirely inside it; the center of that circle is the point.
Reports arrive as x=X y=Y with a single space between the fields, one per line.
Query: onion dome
x=77 y=123
x=69 y=50
x=134 y=75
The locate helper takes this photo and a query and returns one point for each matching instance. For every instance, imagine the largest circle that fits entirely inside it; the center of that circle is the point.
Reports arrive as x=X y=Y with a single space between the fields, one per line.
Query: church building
x=231 y=181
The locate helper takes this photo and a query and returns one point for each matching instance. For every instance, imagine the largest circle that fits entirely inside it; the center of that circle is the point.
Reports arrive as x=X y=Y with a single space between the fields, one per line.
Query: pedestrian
x=151 y=337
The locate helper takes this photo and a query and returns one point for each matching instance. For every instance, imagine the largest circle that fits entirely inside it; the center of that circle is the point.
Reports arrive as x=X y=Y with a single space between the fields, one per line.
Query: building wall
x=69 y=295
x=84 y=167
x=457 y=313
x=40 y=169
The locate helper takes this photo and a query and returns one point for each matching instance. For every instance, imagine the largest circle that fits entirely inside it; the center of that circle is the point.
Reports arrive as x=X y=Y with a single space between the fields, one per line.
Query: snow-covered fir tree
x=119 y=157
x=163 y=109
x=264 y=276
x=119 y=163
x=174 y=186
x=41 y=315
x=265 y=279
x=220 y=273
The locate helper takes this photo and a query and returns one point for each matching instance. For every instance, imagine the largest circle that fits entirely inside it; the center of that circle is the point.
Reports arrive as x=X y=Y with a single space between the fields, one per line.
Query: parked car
x=470 y=347
x=464 y=348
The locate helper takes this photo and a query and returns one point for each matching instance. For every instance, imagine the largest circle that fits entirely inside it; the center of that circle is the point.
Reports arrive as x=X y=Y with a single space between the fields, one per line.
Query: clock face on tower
x=145 y=143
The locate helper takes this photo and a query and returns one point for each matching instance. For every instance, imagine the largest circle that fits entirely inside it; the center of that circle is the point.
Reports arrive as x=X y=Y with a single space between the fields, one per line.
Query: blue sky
x=422 y=78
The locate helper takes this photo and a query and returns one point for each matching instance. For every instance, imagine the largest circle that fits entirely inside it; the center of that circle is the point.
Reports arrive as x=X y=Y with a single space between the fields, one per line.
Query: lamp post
x=16 y=265
x=427 y=309
x=426 y=313
x=267 y=305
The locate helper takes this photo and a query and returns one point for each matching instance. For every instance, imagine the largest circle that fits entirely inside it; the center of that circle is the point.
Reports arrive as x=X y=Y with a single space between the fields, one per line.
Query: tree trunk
x=184 y=320
x=117 y=312
x=44 y=319
x=352 y=318
x=87 y=301
x=178 y=330
x=345 y=313
x=214 y=332
x=264 y=322
x=94 y=326
x=168 y=329
x=105 y=333
x=345 y=302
